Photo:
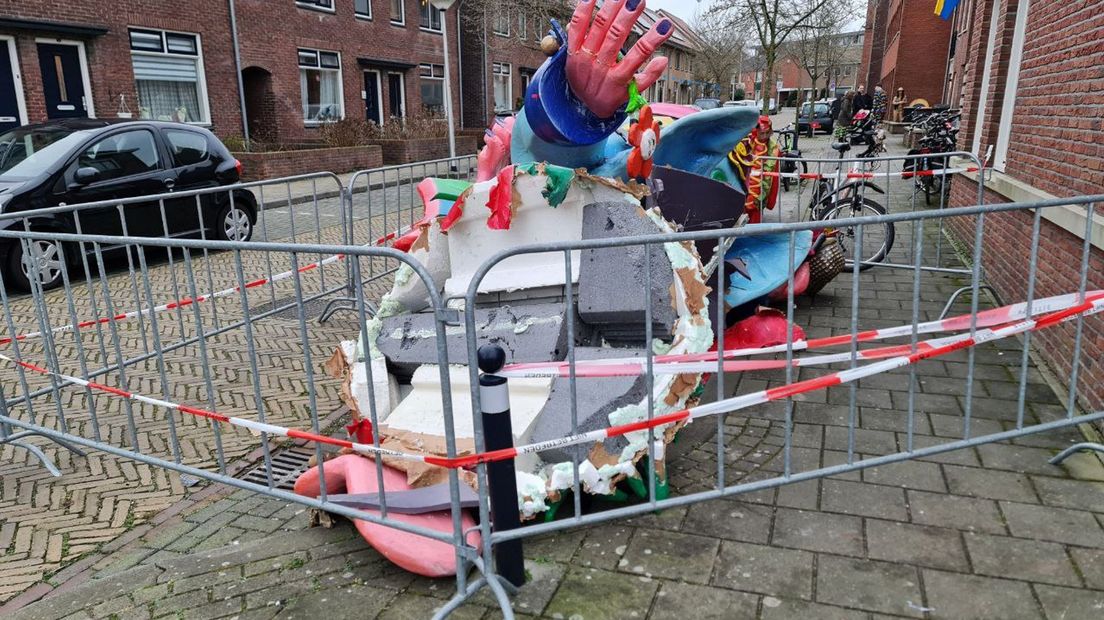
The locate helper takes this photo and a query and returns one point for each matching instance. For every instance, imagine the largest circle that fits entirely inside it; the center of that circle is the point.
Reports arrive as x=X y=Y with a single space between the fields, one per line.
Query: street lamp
x=444 y=6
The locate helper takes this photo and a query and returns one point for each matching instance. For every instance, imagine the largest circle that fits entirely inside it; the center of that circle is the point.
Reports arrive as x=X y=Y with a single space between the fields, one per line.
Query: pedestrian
x=878 y=107
x=834 y=111
x=862 y=100
x=843 y=120
x=755 y=172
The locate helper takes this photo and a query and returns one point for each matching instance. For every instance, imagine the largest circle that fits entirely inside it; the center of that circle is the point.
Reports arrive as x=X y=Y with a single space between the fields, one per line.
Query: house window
x=363 y=8
x=432 y=85
x=502 y=23
x=317 y=5
x=168 y=74
x=398 y=12
x=320 y=86
x=503 y=86
x=523 y=26
x=431 y=18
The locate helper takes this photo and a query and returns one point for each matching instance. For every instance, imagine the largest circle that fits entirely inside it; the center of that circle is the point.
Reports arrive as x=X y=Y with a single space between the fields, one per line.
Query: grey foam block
x=596 y=399
x=527 y=333
x=613 y=281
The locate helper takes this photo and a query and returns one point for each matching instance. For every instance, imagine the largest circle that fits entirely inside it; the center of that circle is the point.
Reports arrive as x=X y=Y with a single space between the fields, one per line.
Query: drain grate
x=287 y=466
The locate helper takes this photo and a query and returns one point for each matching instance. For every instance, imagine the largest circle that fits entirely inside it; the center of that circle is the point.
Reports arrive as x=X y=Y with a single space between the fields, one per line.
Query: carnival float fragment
x=585 y=159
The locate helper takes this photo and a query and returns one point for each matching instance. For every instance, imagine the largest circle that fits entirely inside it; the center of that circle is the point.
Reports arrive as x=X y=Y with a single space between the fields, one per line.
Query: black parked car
x=87 y=160
x=814 y=117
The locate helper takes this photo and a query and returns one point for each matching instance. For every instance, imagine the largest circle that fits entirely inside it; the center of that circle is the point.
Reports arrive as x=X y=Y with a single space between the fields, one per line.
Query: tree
x=771 y=22
x=720 y=55
x=816 y=45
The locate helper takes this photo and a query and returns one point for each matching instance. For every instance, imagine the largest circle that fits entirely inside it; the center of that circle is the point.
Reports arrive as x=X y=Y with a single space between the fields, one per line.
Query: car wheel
x=42 y=264
x=234 y=223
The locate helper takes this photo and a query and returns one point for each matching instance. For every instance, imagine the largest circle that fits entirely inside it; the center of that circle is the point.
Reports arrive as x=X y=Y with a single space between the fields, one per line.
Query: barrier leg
x=494 y=394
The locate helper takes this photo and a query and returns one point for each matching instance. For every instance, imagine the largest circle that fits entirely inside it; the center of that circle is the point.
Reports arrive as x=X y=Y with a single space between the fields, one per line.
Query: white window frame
x=312 y=5
x=986 y=78
x=88 y=103
x=1011 y=83
x=503 y=70
x=201 y=70
x=401 y=21
x=504 y=18
x=340 y=81
x=422 y=67
x=402 y=93
x=365 y=16
x=17 y=78
x=430 y=27
x=523 y=25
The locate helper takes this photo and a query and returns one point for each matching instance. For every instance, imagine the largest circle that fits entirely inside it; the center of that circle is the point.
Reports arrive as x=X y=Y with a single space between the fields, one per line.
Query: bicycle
x=787 y=141
x=848 y=200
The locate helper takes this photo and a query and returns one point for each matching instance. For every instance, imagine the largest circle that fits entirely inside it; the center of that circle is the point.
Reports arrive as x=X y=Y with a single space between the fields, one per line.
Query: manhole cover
x=287 y=466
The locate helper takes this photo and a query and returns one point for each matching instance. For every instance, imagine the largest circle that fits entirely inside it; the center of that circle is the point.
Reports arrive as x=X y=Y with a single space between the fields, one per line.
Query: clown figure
x=747 y=157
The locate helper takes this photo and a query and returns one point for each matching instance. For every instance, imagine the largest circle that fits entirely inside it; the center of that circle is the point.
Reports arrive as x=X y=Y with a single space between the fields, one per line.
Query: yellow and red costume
x=747 y=158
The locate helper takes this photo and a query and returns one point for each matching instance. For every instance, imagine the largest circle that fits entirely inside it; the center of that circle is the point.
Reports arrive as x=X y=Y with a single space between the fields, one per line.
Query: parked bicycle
x=939 y=136
x=836 y=197
x=791 y=162
x=865 y=132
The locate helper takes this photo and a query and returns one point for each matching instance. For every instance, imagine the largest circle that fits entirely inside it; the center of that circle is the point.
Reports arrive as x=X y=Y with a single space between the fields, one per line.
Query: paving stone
x=411 y=607
x=76 y=599
x=543 y=578
x=961 y=456
x=1080 y=494
x=679 y=601
x=1015 y=558
x=964 y=597
x=953 y=426
x=909 y=475
x=964 y=513
x=180 y=602
x=670 y=555
x=603 y=546
x=989 y=484
x=927 y=403
x=597 y=594
x=789 y=609
x=804 y=495
x=864 y=584
x=730 y=520
x=867 y=500
x=1048 y=523
x=833 y=458
x=817 y=531
x=1070 y=603
x=922 y=545
x=1023 y=459
x=886 y=420
x=767 y=570
x=1091 y=564
x=558 y=547
x=866 y=441
x=666 y=519
x=367 y=602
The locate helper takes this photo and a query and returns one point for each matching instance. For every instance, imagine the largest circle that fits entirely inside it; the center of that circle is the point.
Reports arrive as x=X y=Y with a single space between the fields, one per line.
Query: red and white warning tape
x=1093 y=304
x=635 y=365
x=180 y=303
x=855 y=174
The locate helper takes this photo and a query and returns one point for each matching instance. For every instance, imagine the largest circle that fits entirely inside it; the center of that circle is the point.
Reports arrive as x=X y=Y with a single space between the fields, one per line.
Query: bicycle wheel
x=801 y=167
x=877 y=240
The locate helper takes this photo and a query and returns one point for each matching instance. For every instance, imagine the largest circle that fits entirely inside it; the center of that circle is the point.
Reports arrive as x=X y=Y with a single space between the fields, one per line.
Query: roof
x=683 y=36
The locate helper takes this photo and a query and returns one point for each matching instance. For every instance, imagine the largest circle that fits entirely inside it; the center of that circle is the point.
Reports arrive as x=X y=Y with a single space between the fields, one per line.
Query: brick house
x=1028 y=74
x=678 y=84
x=905 y=46
x=303 y=62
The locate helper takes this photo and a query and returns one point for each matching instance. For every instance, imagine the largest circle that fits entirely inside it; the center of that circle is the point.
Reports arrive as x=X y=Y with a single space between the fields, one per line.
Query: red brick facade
x=1054 y=135
x=510 y=56
x=273 y=165
x=906 y=47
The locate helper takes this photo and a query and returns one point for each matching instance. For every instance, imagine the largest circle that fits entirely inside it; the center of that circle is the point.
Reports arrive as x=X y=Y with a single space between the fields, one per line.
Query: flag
x=945 y=8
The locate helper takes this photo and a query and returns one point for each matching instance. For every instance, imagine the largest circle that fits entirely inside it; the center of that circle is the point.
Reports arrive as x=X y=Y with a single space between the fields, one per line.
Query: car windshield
x=820 y=109
x=27 y=153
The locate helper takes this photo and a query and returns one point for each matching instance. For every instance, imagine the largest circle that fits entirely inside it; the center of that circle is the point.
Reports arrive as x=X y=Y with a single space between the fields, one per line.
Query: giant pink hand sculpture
x=593 y=71
x=495 y=153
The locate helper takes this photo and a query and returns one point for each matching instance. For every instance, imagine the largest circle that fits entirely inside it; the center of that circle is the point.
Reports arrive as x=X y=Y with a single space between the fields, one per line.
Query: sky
x=687 y=8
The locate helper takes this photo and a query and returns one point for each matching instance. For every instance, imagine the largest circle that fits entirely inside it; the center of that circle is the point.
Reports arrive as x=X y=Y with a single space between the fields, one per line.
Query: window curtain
x=168 y=101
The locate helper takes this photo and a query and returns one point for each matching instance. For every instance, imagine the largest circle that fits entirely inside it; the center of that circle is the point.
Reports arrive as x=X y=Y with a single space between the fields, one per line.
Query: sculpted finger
x=602 y=22
x=645 y=47
x=619 y=31
x=580 y=20
x=651 y=73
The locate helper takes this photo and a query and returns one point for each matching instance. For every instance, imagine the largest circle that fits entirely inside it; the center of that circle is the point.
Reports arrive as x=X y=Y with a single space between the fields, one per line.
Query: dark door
x=372 y=97
x=9 y=101
x=395 y=95
x=62 y=82
x=128 y=163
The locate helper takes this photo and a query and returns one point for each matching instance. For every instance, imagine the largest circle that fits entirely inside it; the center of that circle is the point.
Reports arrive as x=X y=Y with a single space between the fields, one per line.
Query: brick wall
x=406 y=151
x=259 y=166
x=1055 y=147
x=906 y=47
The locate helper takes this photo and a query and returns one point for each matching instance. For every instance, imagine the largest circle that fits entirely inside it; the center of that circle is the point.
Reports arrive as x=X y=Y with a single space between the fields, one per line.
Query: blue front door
x=9 y=101
x=62 y=80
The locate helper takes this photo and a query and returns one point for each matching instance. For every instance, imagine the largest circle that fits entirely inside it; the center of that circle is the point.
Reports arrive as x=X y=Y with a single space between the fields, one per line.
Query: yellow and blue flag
x=945 y=8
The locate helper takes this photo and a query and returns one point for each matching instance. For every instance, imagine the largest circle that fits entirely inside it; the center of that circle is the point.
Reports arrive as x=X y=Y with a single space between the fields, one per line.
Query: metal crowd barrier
x=168 y=363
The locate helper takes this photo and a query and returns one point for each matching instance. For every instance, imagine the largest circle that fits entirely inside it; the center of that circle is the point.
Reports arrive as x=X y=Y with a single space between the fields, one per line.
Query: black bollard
x=494 y=397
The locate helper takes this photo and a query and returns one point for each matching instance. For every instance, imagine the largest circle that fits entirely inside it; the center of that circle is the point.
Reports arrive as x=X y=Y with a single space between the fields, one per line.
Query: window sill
x=317 y=9
x=401 y=24
x=504 y=35
x=1067 y=217
x=429 y=30
x=363 y=18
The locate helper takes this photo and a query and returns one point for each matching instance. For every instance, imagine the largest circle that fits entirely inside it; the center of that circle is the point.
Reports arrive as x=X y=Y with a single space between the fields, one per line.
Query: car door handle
x=170 y=183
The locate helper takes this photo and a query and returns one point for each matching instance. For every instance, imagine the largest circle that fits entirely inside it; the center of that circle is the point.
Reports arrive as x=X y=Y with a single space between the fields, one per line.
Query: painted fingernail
x=489 y=133
x=632 y=4
x=664 y=26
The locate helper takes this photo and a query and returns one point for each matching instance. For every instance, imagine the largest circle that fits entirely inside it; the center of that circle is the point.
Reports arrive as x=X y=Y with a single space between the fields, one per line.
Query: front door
x=372 y=107
x=62 y=80
x=10 y=116
x=396 y=95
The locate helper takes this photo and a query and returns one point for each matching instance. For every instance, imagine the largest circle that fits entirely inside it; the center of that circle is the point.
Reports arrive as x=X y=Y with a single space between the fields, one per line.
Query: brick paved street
x=987 y=532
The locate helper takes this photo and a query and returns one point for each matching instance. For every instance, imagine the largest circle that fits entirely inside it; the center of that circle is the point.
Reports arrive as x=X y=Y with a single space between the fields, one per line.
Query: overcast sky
x=687 y=8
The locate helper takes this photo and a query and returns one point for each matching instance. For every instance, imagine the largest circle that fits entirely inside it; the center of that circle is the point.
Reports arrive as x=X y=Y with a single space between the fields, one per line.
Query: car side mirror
x=86 y=175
